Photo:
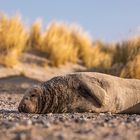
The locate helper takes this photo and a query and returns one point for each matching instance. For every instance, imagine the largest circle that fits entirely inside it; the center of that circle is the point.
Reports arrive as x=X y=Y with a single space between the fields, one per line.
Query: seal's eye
x=33 y=95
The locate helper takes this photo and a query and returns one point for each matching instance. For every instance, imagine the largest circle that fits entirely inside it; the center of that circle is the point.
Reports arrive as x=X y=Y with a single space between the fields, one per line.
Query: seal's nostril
x=26 y=98
x=19 y=109
x=23 y=107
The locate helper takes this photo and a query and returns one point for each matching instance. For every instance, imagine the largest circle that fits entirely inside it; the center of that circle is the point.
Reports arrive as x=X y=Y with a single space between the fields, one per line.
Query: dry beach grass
x=61 y=43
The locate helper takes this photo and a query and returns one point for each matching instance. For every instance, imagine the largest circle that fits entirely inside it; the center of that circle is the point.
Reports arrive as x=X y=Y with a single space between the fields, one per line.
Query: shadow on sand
x=8 y=111
x=16 y=84
x=17 y=79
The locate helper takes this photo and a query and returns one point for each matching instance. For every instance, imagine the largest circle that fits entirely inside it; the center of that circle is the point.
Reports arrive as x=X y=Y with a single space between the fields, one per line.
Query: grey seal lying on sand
x=83 y=92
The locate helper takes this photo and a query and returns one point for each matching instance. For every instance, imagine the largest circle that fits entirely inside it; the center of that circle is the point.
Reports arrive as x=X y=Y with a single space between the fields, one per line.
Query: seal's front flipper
x=92 y=92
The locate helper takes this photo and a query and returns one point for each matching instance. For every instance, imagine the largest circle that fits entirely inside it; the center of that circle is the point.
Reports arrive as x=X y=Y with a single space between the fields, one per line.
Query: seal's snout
x=31 y=101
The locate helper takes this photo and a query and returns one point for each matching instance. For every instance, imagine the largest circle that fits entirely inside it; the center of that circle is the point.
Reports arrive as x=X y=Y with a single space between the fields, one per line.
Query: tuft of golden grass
x=102 y=55
x=132 y=68
x=35 y=35
x=83 y=43
x=63 y=42
x=57 y=44
x=128 y=53
x=126 y=50
x=12 y=39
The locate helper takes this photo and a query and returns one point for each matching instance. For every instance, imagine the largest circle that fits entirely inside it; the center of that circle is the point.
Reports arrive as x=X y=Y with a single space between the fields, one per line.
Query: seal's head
x=31 y=100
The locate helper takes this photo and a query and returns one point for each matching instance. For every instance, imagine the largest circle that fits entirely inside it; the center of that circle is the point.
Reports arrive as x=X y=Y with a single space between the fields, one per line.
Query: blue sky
x=104 y=19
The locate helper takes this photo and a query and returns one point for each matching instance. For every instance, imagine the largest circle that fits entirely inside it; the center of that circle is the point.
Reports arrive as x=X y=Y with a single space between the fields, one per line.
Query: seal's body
x=83 y=92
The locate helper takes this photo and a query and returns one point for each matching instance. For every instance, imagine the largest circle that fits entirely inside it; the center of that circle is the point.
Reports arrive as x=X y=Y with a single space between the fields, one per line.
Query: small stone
x=9 y=98
x=137 y=119
x=102 y=114
x=23 y=136
x=72 y=116
x=29 y=122
x=60 y=137
x=61 y=119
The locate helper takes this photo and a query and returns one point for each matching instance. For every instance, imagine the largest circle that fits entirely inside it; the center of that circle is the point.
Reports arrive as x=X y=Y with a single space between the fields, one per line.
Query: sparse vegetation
x=13 y=39
x=62 y=42
x=131 y=67
x=34 y=40
x=58 y=45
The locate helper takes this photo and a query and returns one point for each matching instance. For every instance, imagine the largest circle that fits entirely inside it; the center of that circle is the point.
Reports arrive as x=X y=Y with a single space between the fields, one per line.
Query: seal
x=83 y=92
